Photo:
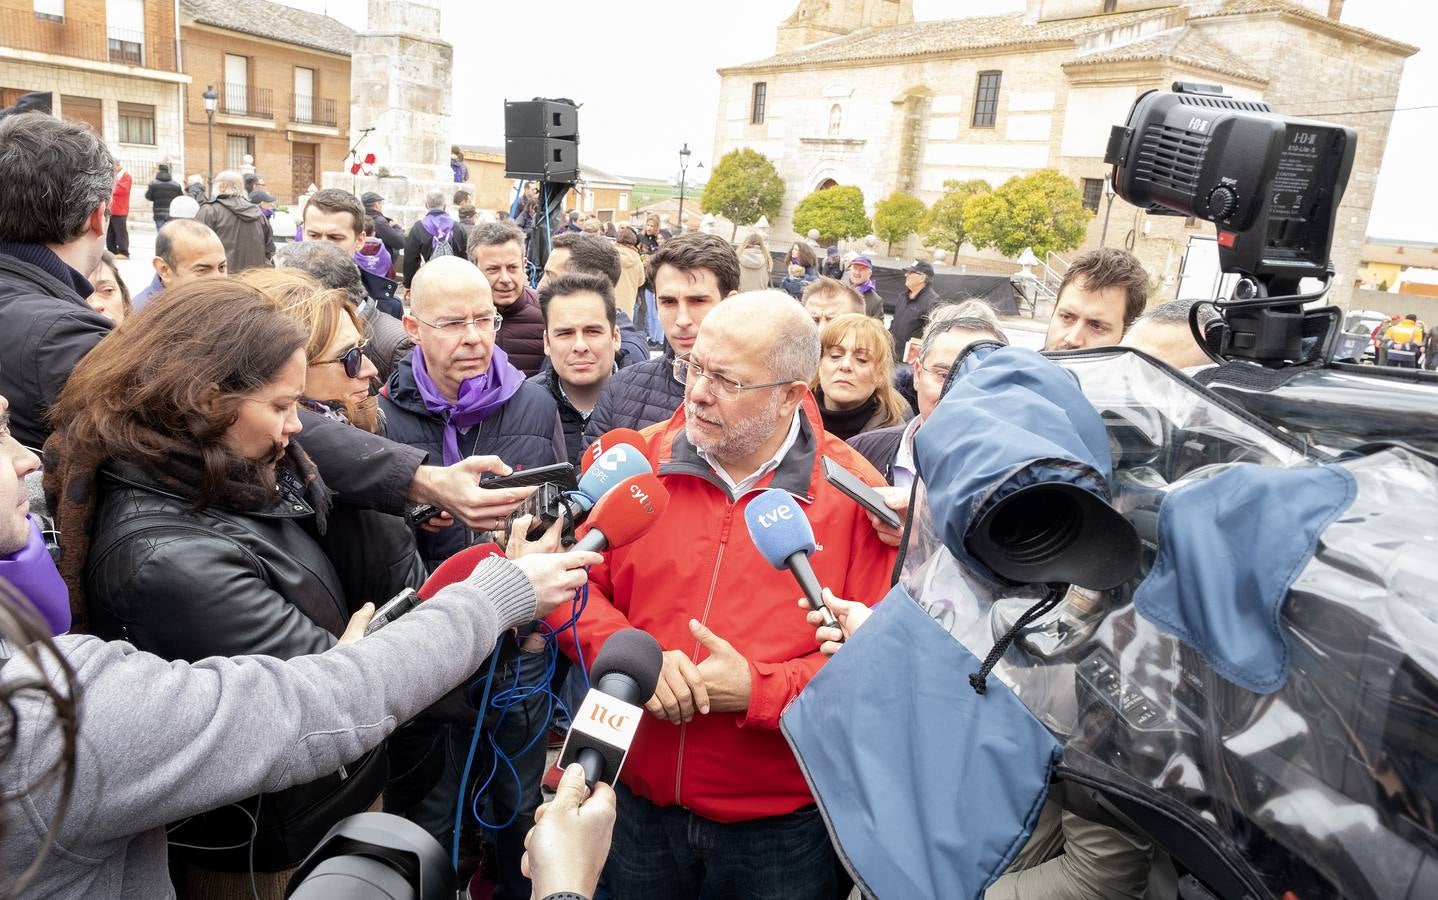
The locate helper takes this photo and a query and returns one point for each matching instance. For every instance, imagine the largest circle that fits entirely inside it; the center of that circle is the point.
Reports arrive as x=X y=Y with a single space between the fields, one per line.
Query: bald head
x=186 y=250
x=778 y=329
x=445 y=279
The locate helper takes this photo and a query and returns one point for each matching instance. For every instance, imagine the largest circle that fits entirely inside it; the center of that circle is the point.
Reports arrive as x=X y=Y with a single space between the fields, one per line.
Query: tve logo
x=776 y=515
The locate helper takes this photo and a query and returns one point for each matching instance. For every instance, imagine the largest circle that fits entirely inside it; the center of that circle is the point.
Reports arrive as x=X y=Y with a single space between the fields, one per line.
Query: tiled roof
x=1181 y=45
x=945 y=36
x=1297 y=11
x=274 y=21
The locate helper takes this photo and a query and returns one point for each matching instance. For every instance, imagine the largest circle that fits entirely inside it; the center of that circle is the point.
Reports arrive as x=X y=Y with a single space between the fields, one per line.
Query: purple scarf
x=478 y=397
x=32 y=571
x=865 y=288
x=372 y=260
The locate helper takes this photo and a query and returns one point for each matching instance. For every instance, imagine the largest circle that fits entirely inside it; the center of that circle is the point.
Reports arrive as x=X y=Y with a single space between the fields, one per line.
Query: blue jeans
x=668 y=851
x=425 y=783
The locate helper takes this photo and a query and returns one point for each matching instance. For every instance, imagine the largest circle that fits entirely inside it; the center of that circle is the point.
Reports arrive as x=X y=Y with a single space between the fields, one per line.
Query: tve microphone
x=624 y=677
x=605 y=441
x=784 y=537
x=623 y=514
x=612 y=466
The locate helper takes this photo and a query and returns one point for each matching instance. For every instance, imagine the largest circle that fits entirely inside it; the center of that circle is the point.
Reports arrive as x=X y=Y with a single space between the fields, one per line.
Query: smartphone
x=850 y=486
x=421 y=514
x=561 y=474
x=402 y=603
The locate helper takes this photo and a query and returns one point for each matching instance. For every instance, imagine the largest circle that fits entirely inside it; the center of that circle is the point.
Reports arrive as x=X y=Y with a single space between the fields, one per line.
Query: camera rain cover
x=1325 y=785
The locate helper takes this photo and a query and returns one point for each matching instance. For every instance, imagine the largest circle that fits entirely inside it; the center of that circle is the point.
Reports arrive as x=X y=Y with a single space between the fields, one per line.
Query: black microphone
x=623 y=679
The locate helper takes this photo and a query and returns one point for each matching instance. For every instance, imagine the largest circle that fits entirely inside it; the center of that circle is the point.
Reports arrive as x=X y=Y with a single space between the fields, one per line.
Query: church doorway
x=826 y=184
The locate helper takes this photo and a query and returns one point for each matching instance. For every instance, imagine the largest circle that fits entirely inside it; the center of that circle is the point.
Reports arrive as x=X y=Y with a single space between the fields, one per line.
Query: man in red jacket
x=117 y=239
x=711 y=800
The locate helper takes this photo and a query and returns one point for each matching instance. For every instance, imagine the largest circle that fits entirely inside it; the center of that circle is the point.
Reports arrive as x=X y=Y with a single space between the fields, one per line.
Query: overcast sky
x=645 y=73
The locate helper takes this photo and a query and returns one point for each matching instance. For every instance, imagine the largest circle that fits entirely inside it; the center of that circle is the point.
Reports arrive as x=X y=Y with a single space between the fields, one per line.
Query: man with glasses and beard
x=712 y=802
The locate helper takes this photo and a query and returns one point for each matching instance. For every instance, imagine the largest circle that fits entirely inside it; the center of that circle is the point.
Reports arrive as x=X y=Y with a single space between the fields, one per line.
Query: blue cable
x=502 y=702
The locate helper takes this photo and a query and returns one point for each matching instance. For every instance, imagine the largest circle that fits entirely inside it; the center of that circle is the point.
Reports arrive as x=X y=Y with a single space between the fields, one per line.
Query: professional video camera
x=1271 y=184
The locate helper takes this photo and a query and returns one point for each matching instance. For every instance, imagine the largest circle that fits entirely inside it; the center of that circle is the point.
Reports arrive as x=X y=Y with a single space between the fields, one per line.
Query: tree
x=1044 y=211
x=897 y=217
x=838 y=212
x=945 y=227
x=743 y=187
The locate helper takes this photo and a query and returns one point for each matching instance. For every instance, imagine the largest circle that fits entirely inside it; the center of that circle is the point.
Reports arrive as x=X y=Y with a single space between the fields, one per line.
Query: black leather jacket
x=187 y=585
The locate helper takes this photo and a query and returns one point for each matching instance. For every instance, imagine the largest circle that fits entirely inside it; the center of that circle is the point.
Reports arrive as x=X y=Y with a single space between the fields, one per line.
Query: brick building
x=283 y=79
x=858 y=93
x=112 y=64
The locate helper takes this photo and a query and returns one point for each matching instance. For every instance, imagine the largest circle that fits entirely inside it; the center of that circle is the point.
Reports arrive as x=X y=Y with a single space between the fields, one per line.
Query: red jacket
x=699 y=562
x=120 y=199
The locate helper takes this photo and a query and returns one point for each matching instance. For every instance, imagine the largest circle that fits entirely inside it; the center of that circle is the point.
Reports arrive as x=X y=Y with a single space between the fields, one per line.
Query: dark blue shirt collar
x=43 y=257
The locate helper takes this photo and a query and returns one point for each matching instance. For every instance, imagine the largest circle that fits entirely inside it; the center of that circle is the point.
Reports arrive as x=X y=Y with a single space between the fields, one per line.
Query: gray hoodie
x=161 y=740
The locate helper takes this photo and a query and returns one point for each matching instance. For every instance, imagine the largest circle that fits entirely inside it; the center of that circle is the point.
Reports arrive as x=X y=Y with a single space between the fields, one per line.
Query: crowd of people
x=233 y=463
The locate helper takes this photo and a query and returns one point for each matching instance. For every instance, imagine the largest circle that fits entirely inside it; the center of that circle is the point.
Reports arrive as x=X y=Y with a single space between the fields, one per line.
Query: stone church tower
x=819 y=20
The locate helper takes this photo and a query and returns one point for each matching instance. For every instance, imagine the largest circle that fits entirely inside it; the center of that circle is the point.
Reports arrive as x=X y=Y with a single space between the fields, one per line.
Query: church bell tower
x=819 y=20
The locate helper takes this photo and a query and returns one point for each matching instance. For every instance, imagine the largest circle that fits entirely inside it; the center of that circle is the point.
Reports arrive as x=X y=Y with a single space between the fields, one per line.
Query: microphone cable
x=503 y=701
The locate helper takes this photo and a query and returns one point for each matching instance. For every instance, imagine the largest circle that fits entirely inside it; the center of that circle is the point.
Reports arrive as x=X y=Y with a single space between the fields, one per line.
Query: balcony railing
x=87 y=40
x=306 y=110
x=247 y=100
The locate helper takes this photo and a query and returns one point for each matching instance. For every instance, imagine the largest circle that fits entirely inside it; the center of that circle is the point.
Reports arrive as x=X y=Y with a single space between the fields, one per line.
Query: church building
x=858 y=93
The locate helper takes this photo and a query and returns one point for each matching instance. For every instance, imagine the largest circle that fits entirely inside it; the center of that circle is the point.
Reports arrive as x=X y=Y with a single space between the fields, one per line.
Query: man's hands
x=566 y=849
x=721 y=683
x=897 y=499
x=516 y=545
x=850 y=615
x=457 y=489
x=556 y=576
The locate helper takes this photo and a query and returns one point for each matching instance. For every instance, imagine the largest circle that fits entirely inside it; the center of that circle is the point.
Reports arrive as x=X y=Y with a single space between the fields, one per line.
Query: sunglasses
x=353 y=359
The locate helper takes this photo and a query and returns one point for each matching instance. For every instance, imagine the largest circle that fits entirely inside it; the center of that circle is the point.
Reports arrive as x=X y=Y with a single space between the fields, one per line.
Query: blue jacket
x=525 y=433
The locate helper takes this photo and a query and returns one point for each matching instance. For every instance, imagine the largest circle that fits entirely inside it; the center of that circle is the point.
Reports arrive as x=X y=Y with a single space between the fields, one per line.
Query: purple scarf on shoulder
x=478 y=397
x=438 y=223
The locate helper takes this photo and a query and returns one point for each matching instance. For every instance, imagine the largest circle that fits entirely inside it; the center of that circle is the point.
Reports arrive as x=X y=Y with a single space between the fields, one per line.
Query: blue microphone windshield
x=778 y=526
x=613 y=466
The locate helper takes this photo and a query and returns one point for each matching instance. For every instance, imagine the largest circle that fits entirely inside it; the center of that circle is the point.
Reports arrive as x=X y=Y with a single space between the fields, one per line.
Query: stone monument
x=400 y=87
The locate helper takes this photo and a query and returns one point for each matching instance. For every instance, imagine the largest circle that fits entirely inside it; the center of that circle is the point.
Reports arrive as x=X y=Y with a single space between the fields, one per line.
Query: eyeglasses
x=483 y=324
x=724 y=388
x=352 y=359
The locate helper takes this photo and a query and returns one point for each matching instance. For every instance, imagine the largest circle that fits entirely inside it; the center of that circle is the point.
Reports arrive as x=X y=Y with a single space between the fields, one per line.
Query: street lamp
x=211 y=98
x=683 y=169
x=1109 y=193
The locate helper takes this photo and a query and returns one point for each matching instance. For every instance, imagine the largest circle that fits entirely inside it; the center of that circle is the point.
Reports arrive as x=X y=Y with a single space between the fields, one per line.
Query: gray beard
x=740 y=439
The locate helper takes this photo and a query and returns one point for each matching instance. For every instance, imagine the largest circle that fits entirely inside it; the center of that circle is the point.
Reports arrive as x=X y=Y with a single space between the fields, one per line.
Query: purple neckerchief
x=865 y=288
x=438 y=222
x=266 y=212
x=478 y=397
x=374 y=261
x=32 y=571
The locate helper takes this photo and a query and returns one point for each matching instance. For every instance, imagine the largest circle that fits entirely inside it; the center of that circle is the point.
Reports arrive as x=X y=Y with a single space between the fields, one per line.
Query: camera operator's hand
x=516 y=545
x=566 y=849
x=897 y=499
x=357 y=624
x=556 y=576
x=851 y=615
x=457 y=489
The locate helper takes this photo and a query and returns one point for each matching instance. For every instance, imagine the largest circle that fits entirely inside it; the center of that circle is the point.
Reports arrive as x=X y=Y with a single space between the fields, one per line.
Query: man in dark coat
x=434 y=229
x=581 y=340
x=161 y=191
x=497 y=250
x=912 y=310
x=390 y=234
x=691 y=274
x=458 y=396
x=243 y=229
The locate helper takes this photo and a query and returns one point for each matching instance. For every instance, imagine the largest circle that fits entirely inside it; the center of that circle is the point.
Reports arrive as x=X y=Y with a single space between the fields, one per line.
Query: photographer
x=103 y=744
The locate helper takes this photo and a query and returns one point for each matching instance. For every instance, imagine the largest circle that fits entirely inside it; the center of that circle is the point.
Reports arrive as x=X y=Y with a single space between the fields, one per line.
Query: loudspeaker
x=541 y=159
x=541 y=140
x=541 y=118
